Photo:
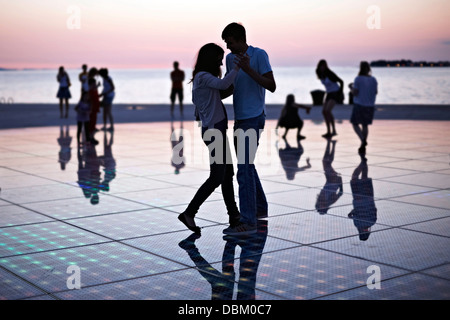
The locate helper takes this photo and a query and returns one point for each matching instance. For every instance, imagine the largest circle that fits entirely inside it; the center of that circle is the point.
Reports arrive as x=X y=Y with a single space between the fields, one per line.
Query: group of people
x=248 y=76
x=90 y=100
x=364 y=90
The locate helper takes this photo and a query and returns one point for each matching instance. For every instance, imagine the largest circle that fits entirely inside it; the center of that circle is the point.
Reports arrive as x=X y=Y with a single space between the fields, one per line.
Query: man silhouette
x=177 y=77
x=250 y=85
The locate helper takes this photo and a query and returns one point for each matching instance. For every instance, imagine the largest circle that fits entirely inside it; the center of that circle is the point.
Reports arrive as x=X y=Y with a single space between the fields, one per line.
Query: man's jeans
x=252 y=199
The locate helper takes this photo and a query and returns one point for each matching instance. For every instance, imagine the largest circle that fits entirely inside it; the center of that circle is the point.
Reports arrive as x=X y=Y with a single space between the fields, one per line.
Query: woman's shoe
x=189 y=223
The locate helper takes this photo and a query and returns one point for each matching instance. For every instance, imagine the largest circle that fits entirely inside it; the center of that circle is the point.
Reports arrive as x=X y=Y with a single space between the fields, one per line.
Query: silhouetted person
x=178 y=160
x=95 y=104
x=207 y=84
x=64 y=142
x=222 y=283
x=63 y=92
x=290 y=158
x=249 y=89
x=289 y=118
x=177 y=77
x=83 y=77
x=364 y=90
x=83 y=110
x=107 y=94
x=364 y=213
x=333 y=188
x=334 y=94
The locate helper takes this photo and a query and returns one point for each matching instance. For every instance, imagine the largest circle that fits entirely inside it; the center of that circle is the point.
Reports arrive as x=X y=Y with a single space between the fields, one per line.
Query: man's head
x=235 y=37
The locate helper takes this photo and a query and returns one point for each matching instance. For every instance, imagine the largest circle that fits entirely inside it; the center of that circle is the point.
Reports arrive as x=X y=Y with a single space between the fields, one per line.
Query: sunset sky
x=154 y=33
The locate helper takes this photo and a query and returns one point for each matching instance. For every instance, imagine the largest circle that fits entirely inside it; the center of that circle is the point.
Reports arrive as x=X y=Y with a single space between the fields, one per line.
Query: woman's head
x=209 y=59
x=364 y=69
x=290 y=99
x=322 y=69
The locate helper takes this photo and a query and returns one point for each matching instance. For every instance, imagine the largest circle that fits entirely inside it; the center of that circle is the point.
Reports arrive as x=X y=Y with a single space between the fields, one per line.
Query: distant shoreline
x=409 y=64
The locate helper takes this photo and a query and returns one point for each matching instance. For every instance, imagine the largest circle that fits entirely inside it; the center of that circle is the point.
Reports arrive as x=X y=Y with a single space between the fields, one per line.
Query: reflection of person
x=249 y=89
x=364 y=90
x=290 y=157
x=289 y=117
x=333 y=188
x=83 y=110
x=334 y=94
x=64 y=142
x=178 y=159
x=107 y=94
x=89 y=174
x=364 y=213
x=63 y=91
x=177 y=77
x=213 y=116
x=222 y=283
x=108 y=162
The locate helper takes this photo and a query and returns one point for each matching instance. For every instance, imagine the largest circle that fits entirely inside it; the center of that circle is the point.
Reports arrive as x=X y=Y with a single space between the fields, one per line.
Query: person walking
x=207 y=84
x=249 y=88
x=364 y=90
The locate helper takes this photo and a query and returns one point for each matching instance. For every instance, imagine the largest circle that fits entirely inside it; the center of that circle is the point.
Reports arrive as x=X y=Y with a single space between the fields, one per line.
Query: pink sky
x=135 y=34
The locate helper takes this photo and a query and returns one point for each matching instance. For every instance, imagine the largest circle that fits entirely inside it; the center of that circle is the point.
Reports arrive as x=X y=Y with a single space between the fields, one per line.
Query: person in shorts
x=364 y=90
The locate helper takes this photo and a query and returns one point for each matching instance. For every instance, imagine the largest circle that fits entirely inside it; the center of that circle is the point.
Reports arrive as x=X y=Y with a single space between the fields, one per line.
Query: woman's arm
x=220 y=84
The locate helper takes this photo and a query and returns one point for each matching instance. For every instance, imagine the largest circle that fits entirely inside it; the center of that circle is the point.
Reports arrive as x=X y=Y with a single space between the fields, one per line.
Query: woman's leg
x=67 y=107
x=61 y=107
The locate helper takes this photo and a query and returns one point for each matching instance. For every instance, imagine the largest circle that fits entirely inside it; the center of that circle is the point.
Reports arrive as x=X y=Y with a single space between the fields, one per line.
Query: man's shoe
x=240 y=230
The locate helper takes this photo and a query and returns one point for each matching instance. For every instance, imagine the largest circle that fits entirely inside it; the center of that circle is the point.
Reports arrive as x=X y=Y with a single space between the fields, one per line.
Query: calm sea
x=152 y=86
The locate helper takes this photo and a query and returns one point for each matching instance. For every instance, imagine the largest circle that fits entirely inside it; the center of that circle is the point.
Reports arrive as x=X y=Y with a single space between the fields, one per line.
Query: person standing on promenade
x=364 y=90
x=250 y=85
x=334 y=94
x=83 y=77
x=95 y=104
x=213 y=116
x=177 y=77
x=63 y=91
x=107 y=94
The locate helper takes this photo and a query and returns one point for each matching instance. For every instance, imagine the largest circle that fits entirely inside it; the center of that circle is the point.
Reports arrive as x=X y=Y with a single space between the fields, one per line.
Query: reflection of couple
x=89 y=175
x=248 y=76
x=222 y=283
